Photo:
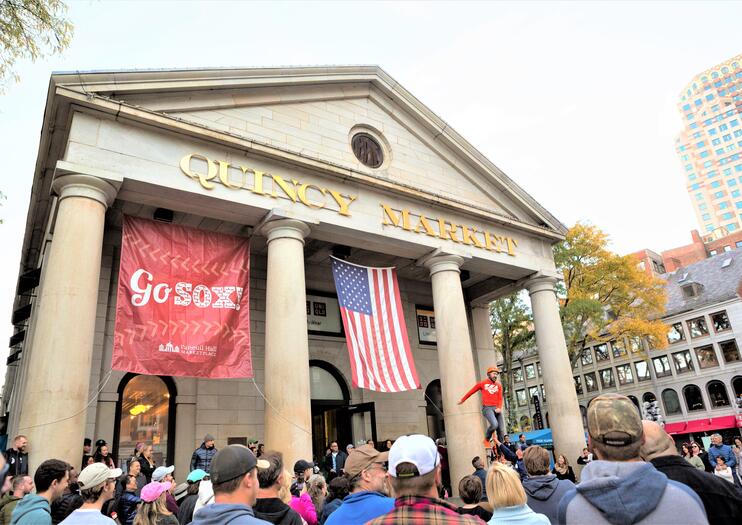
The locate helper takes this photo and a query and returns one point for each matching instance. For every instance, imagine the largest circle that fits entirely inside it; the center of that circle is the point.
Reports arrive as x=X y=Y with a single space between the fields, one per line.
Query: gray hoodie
x=545 y=492
x=226 y=514
x=624 y=493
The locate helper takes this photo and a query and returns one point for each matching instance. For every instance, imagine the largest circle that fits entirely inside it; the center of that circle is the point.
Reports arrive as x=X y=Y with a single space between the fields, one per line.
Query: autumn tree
x=605 y=296
x=512 y=328
x=31 y=29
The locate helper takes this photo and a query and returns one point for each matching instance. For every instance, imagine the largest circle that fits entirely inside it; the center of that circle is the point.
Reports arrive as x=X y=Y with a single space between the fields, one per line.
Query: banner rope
x=93 y=398
x=278 y=411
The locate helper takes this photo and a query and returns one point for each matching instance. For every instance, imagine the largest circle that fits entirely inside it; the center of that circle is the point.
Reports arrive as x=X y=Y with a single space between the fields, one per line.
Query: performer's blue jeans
x=496 y=422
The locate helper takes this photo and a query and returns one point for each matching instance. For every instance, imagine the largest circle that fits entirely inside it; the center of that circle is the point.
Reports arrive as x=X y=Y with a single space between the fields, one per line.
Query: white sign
x=323 y=315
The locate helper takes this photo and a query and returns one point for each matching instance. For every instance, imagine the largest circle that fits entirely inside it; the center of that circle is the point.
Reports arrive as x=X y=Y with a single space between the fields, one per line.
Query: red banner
x=183 y=305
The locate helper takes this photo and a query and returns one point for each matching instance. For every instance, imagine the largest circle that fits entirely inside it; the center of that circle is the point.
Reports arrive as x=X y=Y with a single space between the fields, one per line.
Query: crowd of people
x=631 y=473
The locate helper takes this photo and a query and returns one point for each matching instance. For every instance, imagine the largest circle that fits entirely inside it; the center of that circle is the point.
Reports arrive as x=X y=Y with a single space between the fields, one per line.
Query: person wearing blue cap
x=188 y=504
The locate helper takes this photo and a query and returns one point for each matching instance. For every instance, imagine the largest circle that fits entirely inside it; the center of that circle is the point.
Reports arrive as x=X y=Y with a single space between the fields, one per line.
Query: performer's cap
x=493 y=369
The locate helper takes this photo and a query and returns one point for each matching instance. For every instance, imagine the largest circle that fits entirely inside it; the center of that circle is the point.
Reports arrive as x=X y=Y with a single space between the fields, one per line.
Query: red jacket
x=491 y=393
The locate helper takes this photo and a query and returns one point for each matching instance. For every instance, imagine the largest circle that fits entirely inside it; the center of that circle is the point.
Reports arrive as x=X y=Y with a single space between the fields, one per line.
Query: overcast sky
x=574 y=101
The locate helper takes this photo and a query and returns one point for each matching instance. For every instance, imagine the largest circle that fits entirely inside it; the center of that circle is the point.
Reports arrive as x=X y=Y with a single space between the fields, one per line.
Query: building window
x=706 y=357
x=587 y=357
x=367 y=150
x=601 y=352
x=591 y=384
x=661 y=366
x=698 y=327
x=693 y=398
x=635 y=344
x=676 y=333
x=671 y=402
x=730 y=351
x=683 y=361
x=518 y=375
x=532 y=392
x=578 y=385
x=606 y=378
x=720 y=320
x=530 y=371
x=642 y=371
x=520 y=396
x=538 y=368
x=625 y=375
x=718 y=396
x=543 y=393
x=619 y=348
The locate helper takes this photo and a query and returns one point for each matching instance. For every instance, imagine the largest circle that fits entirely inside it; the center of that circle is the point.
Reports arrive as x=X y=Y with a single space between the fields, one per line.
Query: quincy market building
x=309 y=162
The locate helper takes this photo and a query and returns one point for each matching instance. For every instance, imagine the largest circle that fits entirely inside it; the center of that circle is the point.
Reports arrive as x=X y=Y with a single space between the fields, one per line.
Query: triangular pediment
x=314 y=112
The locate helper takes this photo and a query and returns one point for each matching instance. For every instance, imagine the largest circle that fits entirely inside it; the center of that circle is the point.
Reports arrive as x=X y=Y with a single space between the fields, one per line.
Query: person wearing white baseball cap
x=415 y=474
x=161 y=475
x=97 y=484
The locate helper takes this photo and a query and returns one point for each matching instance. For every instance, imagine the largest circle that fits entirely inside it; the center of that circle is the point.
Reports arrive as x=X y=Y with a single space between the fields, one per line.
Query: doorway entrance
x=333 y=417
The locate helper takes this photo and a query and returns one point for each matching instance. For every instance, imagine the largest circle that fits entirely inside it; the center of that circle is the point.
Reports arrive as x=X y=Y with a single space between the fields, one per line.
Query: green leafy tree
x=31 y=29
x=512 y=328
x=605 y=296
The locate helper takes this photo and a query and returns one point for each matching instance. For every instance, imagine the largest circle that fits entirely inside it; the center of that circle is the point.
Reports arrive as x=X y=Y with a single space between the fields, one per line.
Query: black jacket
x=186 y=508
x=276 y=511
x=339 y=461
x=723 y=502
x=202 y=457
x=17 y=462
x=66 y=505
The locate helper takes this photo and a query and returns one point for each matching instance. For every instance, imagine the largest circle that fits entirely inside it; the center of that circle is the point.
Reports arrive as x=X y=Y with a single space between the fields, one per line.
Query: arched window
x=636 y=403
x=648 y=397
x=525 y=424
x=718 y=396
x=737 y=386
x=693 y=398
x=146 y=412
x=671 y=402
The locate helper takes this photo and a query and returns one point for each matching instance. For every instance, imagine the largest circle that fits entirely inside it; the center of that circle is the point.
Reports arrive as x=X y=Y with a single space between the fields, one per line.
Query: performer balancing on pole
x=491 y=404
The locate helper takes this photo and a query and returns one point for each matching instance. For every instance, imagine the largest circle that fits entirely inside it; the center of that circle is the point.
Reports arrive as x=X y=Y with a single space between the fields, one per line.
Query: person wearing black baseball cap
x=234 y=477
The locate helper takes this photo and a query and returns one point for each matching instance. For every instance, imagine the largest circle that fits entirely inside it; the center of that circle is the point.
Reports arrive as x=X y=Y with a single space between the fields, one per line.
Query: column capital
x=85 y=186
x=541 y=283
x=285 y=229
x=444 y=263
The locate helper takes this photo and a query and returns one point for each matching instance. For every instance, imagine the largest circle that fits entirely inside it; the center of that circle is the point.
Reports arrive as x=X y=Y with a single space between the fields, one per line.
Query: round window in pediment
x=367 y=150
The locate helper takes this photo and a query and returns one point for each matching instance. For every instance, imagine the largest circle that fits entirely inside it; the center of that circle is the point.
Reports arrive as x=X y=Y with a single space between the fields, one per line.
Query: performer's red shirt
x=491 y=393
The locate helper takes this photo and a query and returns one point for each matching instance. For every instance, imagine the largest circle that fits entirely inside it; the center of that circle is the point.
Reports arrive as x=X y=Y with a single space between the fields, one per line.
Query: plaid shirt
x=419 y=510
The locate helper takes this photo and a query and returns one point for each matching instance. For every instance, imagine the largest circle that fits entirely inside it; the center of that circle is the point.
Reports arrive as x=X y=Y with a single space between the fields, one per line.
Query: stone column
x=288 y=411
x=53 y=411
x=564 y=410
x=464 y=430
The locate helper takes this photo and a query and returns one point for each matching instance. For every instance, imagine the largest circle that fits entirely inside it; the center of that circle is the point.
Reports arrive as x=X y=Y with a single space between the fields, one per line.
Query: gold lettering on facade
x=448 y=230
x=308 y=194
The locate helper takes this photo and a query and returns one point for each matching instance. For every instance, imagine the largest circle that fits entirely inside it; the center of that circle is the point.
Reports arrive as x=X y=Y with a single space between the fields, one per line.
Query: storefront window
x=706 y=357
x=144 y=416
x=720 y=321
x=693 y=398
x=718 y=396
x=671 y=402
x=730 y=351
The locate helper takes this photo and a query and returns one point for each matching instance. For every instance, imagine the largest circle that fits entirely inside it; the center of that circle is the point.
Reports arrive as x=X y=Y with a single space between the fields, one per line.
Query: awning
x=704 y=425
x=535 y=437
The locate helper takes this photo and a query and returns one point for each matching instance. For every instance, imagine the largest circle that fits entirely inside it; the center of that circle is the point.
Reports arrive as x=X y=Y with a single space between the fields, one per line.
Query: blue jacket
x=629 y=492
x=482 y=475
x=127 y=507
x=329 y=508
x=226 y=514
x=202 y=457
x=724 y=451
x=518 y=515
x=361 y=507
x=32 y=510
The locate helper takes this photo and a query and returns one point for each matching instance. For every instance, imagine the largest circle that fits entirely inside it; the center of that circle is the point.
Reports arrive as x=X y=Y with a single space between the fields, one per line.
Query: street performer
x=491 y=404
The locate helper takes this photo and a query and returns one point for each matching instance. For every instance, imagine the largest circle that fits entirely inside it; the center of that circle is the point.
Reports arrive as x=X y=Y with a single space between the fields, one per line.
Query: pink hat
x=152 y=491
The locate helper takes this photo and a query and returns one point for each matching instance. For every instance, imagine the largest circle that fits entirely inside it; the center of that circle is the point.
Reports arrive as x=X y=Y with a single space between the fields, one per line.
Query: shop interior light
x=139 y=409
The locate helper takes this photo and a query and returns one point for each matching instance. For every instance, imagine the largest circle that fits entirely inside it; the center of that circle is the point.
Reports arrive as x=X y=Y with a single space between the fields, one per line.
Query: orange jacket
x=491 y=393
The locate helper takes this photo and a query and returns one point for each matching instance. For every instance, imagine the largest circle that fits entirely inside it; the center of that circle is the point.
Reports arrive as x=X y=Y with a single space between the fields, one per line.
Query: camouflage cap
x=612 y=419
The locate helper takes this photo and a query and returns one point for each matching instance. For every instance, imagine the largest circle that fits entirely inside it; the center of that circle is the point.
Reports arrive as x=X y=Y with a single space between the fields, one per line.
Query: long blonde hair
x=503 y=487
x=316 y=489
x=284 y=492
x=149 y=513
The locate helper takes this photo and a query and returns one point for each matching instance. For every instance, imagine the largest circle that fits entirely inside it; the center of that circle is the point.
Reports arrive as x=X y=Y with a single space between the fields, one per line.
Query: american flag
x=375 y=331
